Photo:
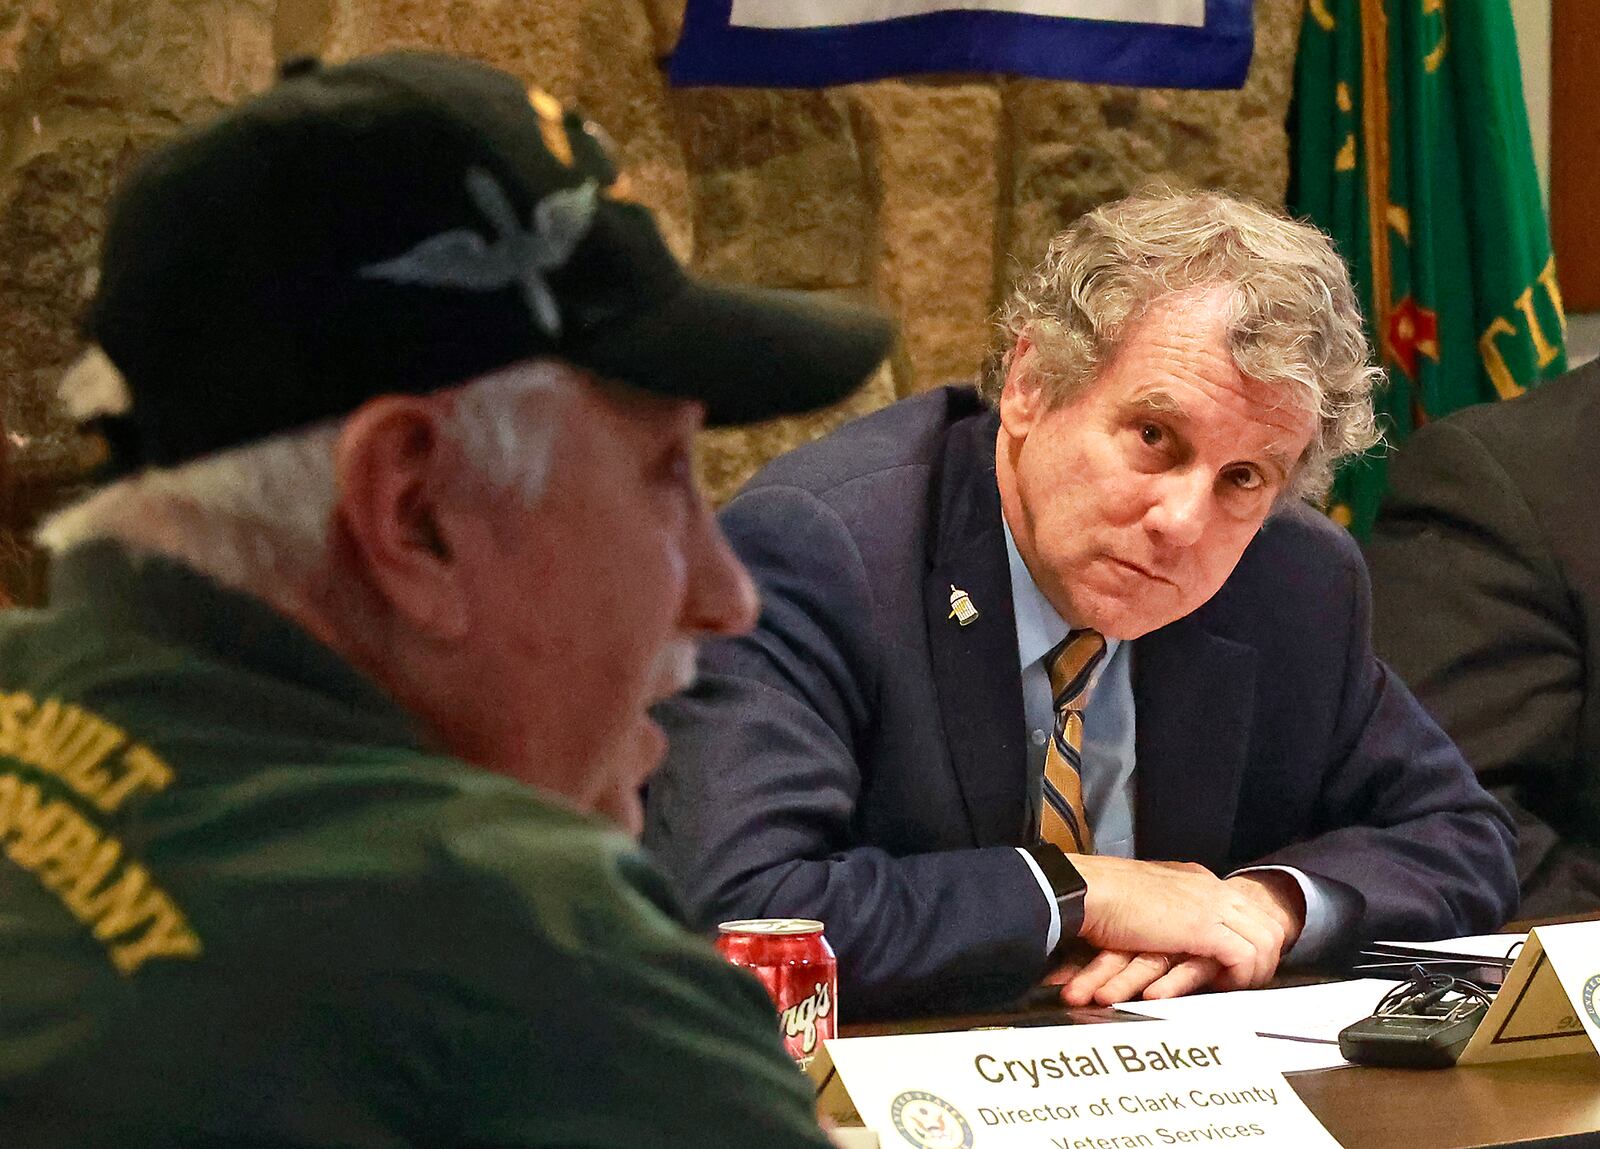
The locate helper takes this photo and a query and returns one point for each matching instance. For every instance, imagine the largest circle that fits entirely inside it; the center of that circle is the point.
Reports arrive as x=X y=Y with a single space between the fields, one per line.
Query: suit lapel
x=975 y=666
x=1194 y=695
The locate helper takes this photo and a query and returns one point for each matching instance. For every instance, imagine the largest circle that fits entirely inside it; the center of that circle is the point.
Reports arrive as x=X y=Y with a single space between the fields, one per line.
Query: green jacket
x=242 y=905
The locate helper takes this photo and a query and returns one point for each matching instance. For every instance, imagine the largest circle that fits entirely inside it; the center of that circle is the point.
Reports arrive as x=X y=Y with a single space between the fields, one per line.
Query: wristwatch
x=1066 y=884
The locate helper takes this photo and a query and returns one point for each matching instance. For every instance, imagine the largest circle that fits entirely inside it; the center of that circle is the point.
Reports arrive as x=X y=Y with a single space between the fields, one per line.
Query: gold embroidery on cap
x=619 y=190
x=552 y=124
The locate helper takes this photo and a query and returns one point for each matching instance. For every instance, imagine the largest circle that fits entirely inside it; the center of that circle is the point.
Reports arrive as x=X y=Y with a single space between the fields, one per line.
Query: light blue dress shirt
x=1108 y=756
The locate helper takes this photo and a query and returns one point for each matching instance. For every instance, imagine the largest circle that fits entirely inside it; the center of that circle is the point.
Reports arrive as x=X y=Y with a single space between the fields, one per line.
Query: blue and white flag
x=809 y=43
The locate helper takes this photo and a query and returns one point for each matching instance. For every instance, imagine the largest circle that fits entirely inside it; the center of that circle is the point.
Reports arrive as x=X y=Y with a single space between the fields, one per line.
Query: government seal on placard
x=929 y=1121
x=1591 y=998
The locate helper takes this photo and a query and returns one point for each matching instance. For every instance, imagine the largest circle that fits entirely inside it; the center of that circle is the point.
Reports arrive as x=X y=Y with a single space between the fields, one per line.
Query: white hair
x=257 y=518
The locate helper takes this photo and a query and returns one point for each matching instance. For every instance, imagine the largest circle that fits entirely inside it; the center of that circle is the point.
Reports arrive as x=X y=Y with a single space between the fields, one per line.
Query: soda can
x=796 y=964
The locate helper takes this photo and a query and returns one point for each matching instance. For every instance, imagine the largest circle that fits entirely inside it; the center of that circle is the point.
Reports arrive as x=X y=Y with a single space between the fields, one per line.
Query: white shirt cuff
x=1328 y=914
x=1053 y=935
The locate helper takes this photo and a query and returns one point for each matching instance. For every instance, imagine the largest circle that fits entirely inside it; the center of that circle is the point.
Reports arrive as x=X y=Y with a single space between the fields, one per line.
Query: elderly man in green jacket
x=309 y=776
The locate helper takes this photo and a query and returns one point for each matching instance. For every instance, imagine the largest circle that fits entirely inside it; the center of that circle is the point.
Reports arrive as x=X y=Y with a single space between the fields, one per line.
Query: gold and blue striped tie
x=1062 y=819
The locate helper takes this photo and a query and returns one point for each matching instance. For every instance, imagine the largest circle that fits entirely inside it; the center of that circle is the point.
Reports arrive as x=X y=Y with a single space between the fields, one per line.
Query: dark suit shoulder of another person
x=1486 y=571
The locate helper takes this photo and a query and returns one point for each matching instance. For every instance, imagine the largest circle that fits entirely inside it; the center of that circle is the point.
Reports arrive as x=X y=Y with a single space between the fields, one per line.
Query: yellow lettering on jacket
x=125 y=910
x=81 y=749
x=73 y=857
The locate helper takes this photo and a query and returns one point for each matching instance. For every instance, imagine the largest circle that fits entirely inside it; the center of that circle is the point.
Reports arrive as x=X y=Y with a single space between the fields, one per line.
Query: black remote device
x=1423 y=1029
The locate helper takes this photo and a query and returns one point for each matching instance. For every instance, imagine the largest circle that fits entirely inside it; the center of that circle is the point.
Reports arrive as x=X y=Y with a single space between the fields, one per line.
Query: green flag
x=1411 y=149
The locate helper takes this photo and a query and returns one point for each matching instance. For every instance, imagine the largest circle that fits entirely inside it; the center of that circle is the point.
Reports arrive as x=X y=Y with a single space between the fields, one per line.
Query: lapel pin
x=961 y=608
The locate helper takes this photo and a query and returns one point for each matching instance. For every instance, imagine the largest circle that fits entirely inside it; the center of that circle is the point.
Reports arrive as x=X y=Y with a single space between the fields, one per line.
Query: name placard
x=1550 y=1002
x=1120 y=1086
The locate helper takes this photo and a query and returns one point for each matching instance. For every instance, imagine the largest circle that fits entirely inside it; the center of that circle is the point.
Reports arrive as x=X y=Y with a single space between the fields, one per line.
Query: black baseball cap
x=403 y=223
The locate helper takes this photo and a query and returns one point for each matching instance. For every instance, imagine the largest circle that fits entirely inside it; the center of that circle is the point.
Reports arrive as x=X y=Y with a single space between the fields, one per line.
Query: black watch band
x=1066 y=884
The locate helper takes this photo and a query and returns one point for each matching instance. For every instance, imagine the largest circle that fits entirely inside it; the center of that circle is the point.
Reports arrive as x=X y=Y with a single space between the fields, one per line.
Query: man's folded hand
x=1169 y=928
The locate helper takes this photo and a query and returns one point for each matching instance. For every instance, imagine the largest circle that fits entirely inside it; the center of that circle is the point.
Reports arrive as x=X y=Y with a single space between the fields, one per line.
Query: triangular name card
x=1550 y=1002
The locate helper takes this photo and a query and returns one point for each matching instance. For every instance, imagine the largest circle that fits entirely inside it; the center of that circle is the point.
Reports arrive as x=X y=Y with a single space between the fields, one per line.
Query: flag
x=810 y=43
x=1411 y=148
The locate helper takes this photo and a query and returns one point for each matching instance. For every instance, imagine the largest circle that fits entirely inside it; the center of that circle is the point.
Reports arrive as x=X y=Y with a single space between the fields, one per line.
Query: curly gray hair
x=1292 y=314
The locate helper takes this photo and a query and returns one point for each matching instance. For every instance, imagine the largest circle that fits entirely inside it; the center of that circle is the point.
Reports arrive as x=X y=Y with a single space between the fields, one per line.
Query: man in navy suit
x=1247 y=782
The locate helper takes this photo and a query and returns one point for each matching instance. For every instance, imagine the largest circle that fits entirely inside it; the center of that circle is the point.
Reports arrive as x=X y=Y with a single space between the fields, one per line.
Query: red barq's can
x=796 y=964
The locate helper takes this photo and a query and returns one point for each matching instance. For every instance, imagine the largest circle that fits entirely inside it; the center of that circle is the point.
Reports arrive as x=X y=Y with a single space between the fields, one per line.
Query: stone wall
x=921 y=195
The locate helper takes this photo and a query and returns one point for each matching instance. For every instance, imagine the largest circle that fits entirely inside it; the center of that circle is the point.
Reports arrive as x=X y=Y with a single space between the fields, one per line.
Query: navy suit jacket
x=859 y=758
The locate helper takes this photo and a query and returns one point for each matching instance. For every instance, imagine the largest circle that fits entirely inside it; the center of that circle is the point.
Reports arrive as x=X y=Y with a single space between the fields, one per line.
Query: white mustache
x=675 y=670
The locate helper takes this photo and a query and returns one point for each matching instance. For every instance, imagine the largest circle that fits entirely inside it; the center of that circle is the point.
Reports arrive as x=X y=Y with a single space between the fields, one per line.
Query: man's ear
x=1022 y=398
x=393 y=466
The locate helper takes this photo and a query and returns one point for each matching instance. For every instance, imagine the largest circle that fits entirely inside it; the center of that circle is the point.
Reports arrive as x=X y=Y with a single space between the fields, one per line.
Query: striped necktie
x=1063 y=822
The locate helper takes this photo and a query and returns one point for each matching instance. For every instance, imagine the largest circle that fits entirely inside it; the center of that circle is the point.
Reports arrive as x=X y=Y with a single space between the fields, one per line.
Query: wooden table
x=1530 y=1104
x=1549 y=1102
